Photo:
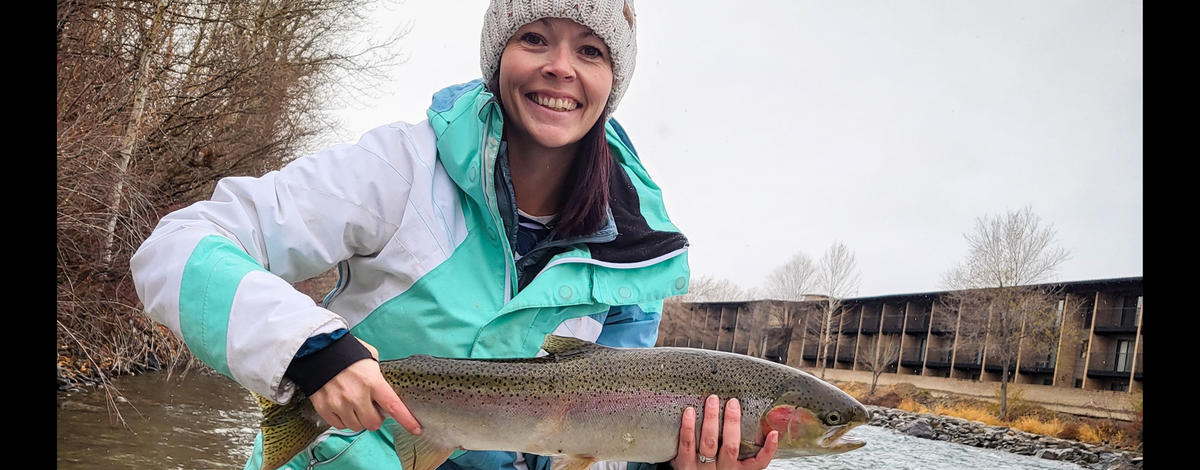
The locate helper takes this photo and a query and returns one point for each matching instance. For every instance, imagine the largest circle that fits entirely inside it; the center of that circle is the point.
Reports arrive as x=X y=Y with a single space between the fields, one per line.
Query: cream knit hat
x=614 y=21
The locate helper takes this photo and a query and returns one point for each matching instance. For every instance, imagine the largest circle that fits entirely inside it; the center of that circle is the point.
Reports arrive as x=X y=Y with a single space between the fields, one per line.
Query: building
x=1098 y=330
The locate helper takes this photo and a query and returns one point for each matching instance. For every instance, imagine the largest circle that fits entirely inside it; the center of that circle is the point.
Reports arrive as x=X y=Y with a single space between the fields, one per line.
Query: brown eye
x=533 y=39
x=833 y=418
x=592 y=51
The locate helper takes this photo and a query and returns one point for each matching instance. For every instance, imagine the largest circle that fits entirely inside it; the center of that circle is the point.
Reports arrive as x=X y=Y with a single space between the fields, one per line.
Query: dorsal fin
x=560 y=345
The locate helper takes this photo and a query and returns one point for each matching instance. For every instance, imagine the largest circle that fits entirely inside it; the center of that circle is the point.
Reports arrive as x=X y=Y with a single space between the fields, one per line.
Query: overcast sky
x=774 y=127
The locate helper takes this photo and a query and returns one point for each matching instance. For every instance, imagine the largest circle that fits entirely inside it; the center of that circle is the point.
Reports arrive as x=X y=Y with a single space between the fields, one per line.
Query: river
x=206 y=421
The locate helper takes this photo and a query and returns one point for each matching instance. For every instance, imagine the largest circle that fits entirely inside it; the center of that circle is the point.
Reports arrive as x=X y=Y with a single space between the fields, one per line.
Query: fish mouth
x=834 y=440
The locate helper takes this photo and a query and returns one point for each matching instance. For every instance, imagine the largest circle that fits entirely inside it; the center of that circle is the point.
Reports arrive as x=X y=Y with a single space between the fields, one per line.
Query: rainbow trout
x=584 y=402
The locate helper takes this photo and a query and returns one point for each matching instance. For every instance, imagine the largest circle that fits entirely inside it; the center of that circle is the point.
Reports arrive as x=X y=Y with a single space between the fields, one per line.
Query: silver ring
x=704 y=459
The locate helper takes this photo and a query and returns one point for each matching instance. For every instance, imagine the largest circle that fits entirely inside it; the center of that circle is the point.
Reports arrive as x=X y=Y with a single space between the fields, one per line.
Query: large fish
x=584 y=402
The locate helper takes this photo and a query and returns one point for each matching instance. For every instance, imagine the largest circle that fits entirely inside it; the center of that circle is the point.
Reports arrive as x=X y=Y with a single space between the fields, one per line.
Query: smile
x=557 y=104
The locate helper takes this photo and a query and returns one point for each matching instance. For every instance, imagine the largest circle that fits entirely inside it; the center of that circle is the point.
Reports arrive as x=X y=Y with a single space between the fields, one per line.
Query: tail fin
x=286 y=430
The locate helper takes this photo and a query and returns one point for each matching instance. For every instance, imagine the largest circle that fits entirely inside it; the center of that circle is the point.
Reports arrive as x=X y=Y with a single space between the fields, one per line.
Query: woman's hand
x=725 y=458
x=348 y=400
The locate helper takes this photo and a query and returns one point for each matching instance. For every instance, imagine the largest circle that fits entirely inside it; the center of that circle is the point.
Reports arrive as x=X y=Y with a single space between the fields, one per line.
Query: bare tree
x=837 y=279
x=156 y=101
x=792 y=280
x=879 y=355
x=994 y=290
x=710 y=289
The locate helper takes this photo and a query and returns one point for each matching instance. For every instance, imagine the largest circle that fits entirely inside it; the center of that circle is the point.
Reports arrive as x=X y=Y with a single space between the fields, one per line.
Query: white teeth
x=558 y=104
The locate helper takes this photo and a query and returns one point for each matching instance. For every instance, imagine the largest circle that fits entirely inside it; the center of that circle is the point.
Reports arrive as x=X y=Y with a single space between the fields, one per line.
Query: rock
x=1113 y=461
x=919 y=428
x=1054 y=454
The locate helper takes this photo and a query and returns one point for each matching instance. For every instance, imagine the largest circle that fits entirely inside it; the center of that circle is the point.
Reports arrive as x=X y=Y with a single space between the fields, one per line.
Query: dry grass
x=968 y=412
x=912 y=406
x=1104 y=432
x=1053 y=427
x=1023 y=414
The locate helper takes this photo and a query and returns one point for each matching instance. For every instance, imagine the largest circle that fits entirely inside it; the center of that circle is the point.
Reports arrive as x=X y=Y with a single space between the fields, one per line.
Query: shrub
x=1032 y=424
x=1089 y=434
x=1018 y=407
x=1070 y=431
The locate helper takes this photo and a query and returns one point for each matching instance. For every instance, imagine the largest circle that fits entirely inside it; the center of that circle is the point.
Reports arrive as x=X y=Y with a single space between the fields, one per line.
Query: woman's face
x=555 y=77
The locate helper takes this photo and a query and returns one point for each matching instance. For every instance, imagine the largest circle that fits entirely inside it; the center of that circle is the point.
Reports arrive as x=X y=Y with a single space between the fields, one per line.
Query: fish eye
x=833 y=418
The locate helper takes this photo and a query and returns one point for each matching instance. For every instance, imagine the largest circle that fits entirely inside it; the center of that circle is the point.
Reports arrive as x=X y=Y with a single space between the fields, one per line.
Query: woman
x=518 y=209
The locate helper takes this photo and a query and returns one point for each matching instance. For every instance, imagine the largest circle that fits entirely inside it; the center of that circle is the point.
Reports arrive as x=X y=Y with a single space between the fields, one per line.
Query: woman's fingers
x=391 y=404
x=764 y=455
x=731 y=431
x=685 y=455
x=709 y=430
x=687 y=435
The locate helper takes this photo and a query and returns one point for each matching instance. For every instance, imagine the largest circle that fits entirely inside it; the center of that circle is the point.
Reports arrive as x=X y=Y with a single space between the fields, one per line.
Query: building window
x=1124 y=355
x=1129 y=311
x=1047 y=381
x=1119 y=387
x=1078 y=383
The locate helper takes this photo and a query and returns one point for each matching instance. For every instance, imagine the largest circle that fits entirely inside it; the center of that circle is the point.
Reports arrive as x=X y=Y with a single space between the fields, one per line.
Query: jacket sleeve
x=219 y=272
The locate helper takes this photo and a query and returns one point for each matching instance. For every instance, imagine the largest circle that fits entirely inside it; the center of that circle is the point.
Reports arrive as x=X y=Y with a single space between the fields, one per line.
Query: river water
x=206 y=421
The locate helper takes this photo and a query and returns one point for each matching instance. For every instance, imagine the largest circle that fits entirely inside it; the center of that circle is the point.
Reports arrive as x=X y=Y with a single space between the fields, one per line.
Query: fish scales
x=590 y=402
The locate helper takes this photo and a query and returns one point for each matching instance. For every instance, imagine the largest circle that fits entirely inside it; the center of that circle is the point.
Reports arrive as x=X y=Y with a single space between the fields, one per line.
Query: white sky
x=781 y=126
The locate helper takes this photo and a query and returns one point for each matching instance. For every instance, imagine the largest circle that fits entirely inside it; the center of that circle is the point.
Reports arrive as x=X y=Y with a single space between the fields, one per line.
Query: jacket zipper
x=491 y=146
x=343 y=280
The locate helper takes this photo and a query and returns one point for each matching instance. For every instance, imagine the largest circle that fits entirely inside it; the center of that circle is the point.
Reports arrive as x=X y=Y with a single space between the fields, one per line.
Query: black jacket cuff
x=312 y=371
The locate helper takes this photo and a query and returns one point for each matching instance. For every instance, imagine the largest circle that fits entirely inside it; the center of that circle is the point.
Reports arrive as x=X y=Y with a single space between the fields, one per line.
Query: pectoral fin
x=747 y=450
x=286 y=430
x=417 y=452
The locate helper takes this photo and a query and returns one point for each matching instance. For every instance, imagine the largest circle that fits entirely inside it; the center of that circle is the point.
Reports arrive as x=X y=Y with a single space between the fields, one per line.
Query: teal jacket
x=417 y=221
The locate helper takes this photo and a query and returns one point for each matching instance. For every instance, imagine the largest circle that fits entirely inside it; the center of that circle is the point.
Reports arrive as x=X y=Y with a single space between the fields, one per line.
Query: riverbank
x=978 y=434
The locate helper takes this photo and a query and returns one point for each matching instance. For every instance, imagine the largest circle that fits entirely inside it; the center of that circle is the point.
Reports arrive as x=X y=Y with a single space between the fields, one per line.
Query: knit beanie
x=612 y=20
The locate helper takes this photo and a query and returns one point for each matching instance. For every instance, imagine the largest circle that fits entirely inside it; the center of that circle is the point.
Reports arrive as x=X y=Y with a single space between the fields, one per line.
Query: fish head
x=812 y=419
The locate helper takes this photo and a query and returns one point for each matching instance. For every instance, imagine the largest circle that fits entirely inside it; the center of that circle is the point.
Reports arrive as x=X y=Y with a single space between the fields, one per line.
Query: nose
x=559 y=63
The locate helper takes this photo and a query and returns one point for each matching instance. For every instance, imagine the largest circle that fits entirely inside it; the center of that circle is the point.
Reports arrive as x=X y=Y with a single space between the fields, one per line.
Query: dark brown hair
x=585 y=209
